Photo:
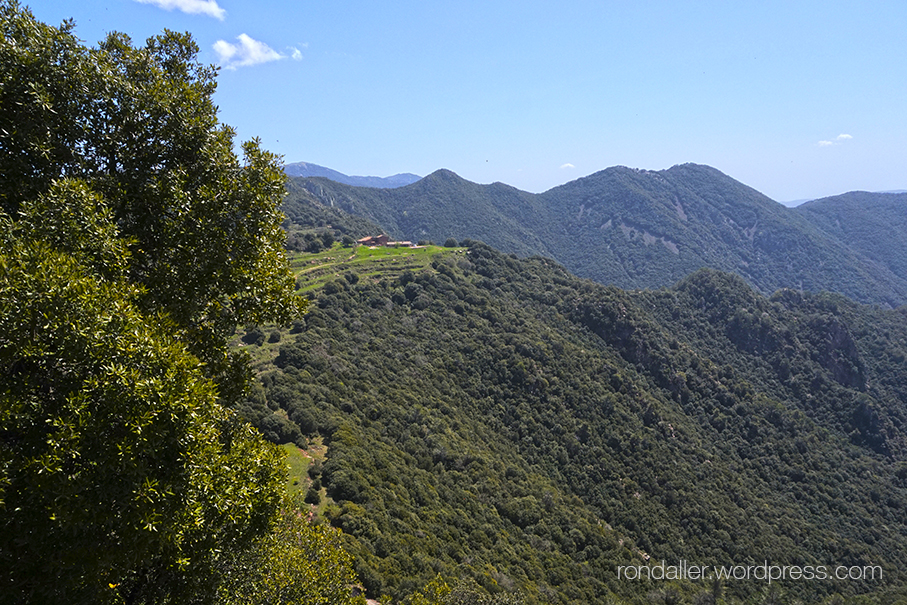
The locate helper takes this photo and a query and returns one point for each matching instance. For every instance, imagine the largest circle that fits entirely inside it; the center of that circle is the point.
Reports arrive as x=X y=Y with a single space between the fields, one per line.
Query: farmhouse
x=382 y=240
x=373 y=240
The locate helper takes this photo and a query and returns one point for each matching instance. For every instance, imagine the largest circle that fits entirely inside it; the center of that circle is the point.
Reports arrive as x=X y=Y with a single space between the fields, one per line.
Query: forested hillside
x=637 y=229
x=500 y=420
x=874 y=224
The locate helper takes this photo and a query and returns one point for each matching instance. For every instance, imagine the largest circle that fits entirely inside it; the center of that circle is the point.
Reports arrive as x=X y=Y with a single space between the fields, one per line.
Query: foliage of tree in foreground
x=132 y=241
x=298 y=562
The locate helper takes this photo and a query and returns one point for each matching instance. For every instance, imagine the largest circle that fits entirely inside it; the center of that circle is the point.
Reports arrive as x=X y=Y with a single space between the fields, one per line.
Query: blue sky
x=796 y=99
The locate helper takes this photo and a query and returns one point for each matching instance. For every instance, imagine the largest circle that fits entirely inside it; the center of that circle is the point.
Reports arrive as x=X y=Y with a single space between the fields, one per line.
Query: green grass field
x=298 y=480
x=314 y=270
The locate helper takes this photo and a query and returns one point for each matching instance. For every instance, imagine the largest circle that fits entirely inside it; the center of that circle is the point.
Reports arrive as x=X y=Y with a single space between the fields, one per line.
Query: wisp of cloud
x=837 y=141
x=192 y=7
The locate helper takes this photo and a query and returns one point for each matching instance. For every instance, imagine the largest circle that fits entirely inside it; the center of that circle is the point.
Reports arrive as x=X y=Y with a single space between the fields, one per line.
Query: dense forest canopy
x=500 y=419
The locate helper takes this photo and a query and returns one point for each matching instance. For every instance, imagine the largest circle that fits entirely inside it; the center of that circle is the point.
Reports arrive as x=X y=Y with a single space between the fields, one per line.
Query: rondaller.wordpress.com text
x=765 y=572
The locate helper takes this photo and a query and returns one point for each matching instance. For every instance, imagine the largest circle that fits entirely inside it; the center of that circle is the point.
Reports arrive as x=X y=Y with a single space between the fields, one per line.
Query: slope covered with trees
x=639 y=229
x=875 y=224
x=501 y=420
x=649 y=229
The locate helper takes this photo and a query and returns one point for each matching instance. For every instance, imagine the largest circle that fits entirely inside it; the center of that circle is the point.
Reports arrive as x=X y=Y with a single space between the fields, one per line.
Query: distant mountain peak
x=307 y=169
x=445 y=175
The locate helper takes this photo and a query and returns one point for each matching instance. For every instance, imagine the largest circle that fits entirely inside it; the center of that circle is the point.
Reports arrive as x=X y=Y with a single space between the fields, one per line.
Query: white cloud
x=247 y=52
x=567 y=166
x=296 y=54
x=837 y=140
x=193 y=7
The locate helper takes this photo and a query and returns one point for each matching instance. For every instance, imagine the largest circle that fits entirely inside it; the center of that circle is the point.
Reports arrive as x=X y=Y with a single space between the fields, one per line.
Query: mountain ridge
x=873 y=223
x=633 y=228
x=308 y=169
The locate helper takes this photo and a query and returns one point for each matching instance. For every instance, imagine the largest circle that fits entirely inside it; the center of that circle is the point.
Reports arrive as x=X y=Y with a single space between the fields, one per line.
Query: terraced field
x=313 y=271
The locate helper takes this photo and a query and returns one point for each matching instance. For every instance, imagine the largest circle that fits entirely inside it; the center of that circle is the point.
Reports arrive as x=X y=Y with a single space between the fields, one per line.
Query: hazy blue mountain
x=306 y=169
x=632 y=228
